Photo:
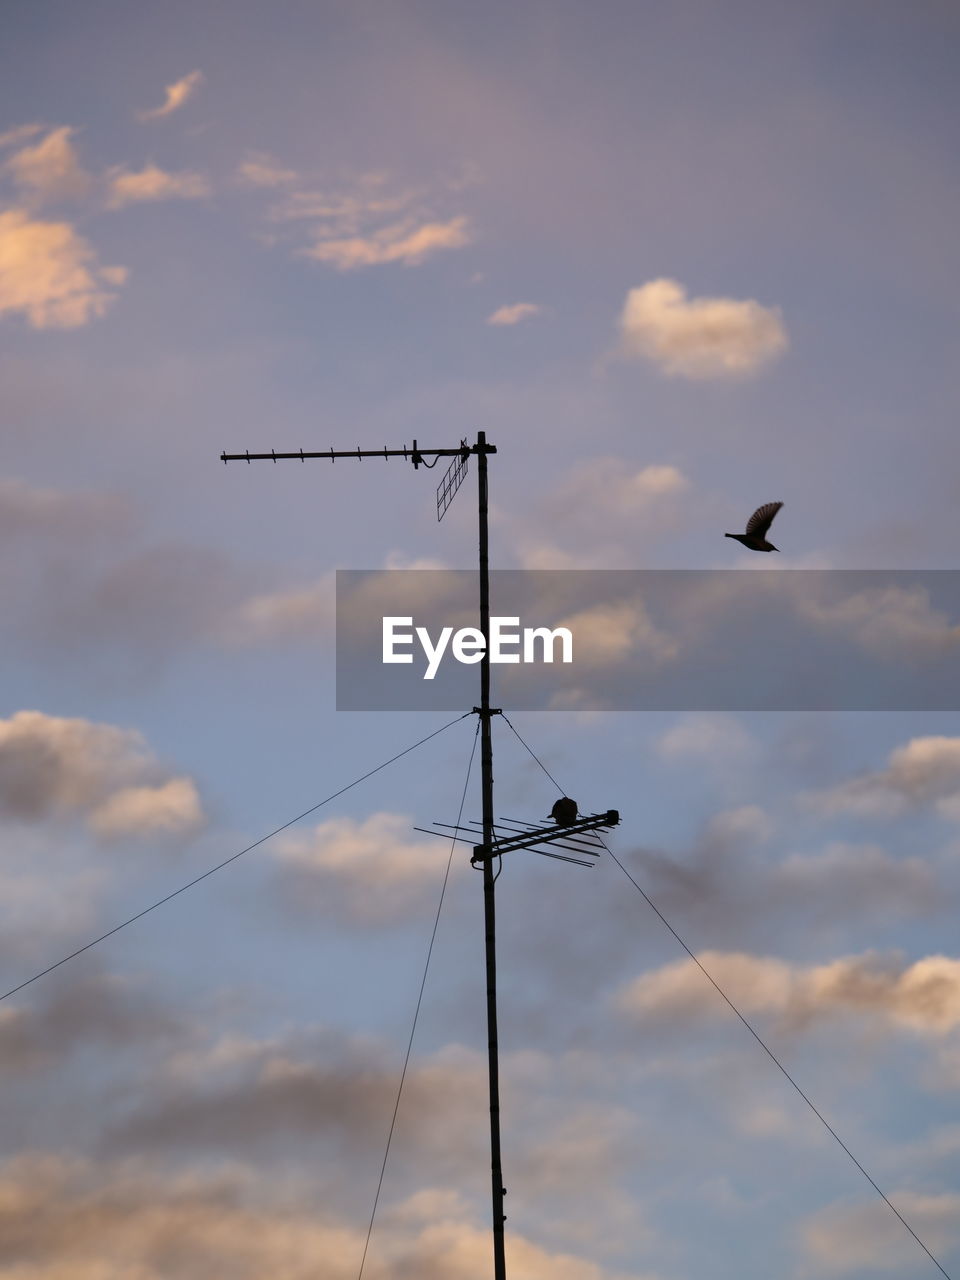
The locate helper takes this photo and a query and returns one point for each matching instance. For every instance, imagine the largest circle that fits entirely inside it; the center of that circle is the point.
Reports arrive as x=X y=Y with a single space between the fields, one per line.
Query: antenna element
x=451 y=482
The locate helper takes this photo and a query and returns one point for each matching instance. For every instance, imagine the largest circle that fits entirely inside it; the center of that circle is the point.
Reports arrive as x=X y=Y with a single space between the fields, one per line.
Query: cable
x=773 y=1058
x=769 y=1052
x=535 y=756
x=423 y=983
x=233 y=857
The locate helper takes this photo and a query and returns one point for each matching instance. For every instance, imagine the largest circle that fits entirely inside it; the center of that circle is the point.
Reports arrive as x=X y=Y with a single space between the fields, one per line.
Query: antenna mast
x=448 y=488
x=498 y=1191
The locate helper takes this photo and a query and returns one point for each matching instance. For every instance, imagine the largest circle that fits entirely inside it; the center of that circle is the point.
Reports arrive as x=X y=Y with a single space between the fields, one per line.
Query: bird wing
x=762 y=519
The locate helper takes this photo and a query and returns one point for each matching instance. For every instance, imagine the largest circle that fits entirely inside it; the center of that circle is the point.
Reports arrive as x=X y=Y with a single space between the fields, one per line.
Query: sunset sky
x=676 y=259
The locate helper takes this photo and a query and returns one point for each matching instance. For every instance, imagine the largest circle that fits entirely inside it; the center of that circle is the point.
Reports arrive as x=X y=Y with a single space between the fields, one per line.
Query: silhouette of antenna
x=522 y=835
x=451 y=482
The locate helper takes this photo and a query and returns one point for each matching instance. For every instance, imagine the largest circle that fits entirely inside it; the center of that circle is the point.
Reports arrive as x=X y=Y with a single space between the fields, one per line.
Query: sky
x=676 y=260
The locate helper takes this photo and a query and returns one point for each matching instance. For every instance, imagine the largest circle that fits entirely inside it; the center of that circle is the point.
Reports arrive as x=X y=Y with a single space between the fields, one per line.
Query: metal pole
x=416 y=456
x=489 y=914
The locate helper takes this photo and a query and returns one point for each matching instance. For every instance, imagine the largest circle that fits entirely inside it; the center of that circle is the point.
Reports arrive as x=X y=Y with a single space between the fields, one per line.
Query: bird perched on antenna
x=564 y=812
x=759 y=523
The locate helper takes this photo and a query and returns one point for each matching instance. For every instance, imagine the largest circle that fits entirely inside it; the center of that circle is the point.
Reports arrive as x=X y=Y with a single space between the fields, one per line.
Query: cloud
x=20 y=133
x=50 y=275
x=129 y=617
x=607 y=633
x=448 y=1249
x=261 y=170
x=747 y=824
x=366 y=201
x=242 y=1095
x=714 y=736
x=368 y=872
x=733 y=885
x=305 y=613
x=925 y=771
x=321 y=1093
x=79 y=589
x=166 y=809
x=514 y=314
x=923 y=996
x=614 y=485
x=176 y=95
x=151 y=183
x=594 y=514
x=28 y=511
x=699 y=338
x=855 y=1237
x=888 y=621
x=403 y=242
x=94 y=1010
x=72 y=1219
x=44 y=904
x=852 y=878
x=49 y=170
x=368 y=223
x=53 y=767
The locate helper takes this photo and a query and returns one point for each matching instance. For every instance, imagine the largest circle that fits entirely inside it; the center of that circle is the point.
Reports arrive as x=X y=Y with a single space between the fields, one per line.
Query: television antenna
x=491 y=846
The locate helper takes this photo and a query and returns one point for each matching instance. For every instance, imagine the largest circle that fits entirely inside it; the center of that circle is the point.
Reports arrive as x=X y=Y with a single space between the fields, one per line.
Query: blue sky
x=676 y=260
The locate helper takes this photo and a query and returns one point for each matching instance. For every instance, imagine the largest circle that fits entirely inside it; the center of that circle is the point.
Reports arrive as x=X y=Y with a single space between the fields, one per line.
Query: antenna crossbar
x=544 y=835
x=414 y=453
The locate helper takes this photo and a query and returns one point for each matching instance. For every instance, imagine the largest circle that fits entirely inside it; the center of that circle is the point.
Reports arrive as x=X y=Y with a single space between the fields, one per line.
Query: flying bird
x=755 y=536
x=564 y=812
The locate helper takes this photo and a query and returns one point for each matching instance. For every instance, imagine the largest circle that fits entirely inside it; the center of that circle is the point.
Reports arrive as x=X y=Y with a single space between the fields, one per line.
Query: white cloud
x=80 y=1220
x=888 y=621
x=844 y=1238
x=304 y=613
x=857 y=877
x=345 y=212
x=716 y=736
x=55 y=767
x=606 y=634
x=166 y=809
x=514 y=314
x=261 y=170
x=20 y=133
x=923 y=996
x=595 y=513
x=40 y=908
x=49 y=273
x=925 y=771
x=699 y=337
x=151 y=183
x=613 y=484
x=404 y=242
x=175 y=95
x=368 y=223
x=745 y=824
x=49 y=170
x=309 y=613
x=28 y=511
x=370 y=871
x=535 y=553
